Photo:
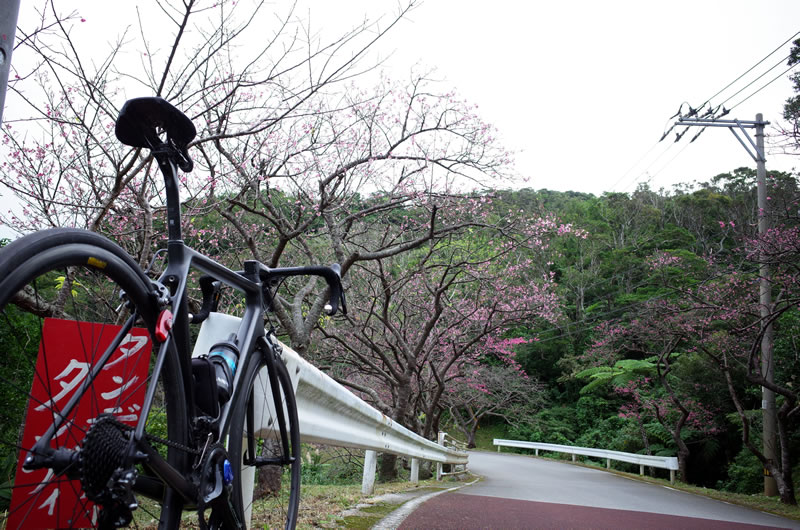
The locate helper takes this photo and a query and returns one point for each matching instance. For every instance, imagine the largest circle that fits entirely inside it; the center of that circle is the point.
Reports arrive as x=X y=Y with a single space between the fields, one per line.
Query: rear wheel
x=76 y=360
x=267 y=488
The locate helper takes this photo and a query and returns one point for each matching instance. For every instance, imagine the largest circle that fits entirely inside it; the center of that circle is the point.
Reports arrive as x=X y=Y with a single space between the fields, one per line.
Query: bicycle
x=108 y=419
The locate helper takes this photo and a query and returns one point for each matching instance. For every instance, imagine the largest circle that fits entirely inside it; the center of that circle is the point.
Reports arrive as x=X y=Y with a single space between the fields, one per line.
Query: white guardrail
x=662 y=462
x=330 y=414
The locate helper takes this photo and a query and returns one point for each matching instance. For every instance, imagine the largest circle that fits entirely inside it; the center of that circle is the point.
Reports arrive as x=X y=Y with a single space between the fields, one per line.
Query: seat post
x=170 y=171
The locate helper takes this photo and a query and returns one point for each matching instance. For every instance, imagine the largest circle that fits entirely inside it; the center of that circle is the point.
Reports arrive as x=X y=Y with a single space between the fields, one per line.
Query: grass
x=322 y=506
x=368 y=517
x=756 y=502
x=484 y=436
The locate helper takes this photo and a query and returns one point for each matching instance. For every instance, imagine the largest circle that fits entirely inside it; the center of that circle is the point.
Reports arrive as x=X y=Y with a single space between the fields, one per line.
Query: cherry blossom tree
x=653 y=342
x=499 y=391
x=727 y=327
x=303 y=163
x=423 y=322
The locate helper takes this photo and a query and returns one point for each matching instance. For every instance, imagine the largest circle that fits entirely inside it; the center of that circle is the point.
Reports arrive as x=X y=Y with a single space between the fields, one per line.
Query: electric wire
x=713 y=110
x=756 y=79
x=600 y=317
x=765 y=86
x=646 y=171
x=656 y=173
x=588 y=324
x=784 y=43
x=613 y=186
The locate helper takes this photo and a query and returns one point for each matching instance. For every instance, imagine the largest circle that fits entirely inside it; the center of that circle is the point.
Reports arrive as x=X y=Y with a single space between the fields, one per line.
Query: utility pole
x=757 y=153
x=765 y=305
x=9 y=10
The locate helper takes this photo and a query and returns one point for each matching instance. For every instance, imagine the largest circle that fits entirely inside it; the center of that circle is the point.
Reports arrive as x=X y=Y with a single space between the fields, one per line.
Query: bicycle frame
x=181 y=259
x=251 y=332
x=187 y=476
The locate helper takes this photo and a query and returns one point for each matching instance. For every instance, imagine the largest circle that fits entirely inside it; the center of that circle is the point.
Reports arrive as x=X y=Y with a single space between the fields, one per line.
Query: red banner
x=67 y=352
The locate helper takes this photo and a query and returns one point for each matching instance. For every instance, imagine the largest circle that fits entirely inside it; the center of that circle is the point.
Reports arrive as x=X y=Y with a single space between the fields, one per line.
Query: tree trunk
x=646 y=442
x=782 y=416
x=683 y=460
x=471 y=436
x=268 y=480
x=782 y=474
x=387 y=468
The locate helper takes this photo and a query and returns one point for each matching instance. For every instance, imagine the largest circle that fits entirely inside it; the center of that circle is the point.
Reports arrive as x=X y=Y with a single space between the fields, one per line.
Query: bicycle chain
x=158 y=439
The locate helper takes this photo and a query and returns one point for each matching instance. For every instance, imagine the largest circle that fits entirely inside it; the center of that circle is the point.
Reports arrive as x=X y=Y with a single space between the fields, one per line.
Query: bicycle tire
x=277 y=487
x=59 y=311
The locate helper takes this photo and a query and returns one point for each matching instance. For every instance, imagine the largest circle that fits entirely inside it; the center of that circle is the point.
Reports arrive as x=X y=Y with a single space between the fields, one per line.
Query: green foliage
x=555 y=425
x=591 y=407
x=791 y=109
x=60 y=284
x=324 y=466
x=8 y=466
x=608 y=433
x=621 y=373
x=787 y=360
x=16 y=366
x=745 y=474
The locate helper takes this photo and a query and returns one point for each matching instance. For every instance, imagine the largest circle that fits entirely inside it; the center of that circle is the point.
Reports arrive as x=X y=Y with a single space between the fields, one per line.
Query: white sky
x=583 y=89
x=580 y=89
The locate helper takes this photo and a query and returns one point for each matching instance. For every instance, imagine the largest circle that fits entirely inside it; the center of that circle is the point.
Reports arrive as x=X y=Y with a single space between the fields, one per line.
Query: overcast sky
x=583 y=89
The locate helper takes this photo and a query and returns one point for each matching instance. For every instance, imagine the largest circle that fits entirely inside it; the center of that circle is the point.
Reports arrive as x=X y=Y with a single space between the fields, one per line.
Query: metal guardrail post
x=370 y=465
x=414 y=470
x=439 y=464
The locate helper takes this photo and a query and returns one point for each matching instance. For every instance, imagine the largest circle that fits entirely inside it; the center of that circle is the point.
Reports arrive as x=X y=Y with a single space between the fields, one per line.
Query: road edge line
x=396 y=518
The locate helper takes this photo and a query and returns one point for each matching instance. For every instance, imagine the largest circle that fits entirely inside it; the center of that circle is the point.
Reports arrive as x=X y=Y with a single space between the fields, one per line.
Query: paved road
x=523 y=492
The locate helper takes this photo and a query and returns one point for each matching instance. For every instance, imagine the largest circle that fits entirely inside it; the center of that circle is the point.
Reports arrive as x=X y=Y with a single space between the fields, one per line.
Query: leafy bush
x=7 y=469
x=609 y=433
x=555 y=425
x=745 y=474
x=327 y=466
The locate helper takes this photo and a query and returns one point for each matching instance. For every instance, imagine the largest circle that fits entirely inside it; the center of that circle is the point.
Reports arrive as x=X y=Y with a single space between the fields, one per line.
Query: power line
x=634 y=165
x=757 y=78
x=765 y=86
x=714 y=111
x=784 y=43
x=645 y=171
x=654 y=175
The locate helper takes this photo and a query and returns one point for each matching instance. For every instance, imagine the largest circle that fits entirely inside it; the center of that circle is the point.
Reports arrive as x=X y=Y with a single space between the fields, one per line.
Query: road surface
x=523 y=492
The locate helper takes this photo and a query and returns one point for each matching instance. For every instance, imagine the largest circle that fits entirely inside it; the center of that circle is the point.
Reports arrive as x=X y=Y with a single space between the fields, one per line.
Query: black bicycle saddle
x=140 y=120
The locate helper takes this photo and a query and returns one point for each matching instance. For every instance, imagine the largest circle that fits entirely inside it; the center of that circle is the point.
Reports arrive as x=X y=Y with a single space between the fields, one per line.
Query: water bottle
x=224 y=356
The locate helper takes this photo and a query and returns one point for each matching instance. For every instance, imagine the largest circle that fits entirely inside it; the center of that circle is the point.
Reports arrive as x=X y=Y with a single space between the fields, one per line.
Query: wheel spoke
x=53 y=333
